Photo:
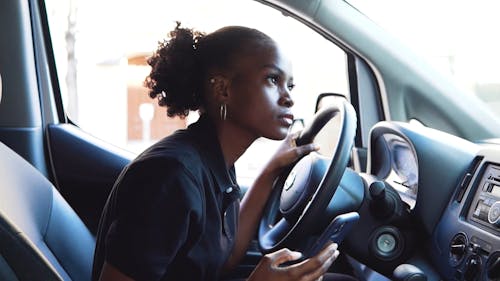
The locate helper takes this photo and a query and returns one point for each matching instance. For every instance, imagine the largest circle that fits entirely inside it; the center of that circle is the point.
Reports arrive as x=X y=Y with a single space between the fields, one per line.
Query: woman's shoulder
x=179 y=146
x=166 y=166
x=171 y=155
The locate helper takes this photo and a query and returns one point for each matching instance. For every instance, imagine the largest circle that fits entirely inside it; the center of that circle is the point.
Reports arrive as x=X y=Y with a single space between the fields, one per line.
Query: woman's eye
x=290 y=87
x=273 y=79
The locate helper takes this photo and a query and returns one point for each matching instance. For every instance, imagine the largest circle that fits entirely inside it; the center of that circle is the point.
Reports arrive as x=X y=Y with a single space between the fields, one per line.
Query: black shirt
x=172 y=214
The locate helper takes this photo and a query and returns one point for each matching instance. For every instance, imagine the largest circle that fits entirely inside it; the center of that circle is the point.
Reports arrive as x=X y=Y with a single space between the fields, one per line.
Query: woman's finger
x=289 y=152
x=318 y=273
x=282 y=256
x=292 y=139
x=306 y=149
x=312 y=264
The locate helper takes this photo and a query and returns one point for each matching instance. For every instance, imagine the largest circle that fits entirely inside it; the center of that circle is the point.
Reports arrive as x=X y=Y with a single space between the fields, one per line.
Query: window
x=101 y=49
x=455 y=37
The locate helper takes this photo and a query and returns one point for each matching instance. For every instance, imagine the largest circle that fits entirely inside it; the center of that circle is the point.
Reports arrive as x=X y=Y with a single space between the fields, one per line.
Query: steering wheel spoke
x=275 y=232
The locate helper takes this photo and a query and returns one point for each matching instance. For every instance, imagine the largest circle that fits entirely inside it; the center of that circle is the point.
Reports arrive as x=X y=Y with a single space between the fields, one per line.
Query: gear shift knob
x=408 y=272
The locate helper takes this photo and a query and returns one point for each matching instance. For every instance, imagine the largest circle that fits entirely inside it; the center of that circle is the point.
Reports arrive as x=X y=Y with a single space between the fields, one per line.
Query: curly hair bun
x=174 y=72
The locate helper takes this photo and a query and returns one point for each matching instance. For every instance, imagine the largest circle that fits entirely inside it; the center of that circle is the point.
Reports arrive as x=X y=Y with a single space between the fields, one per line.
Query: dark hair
x=181 y=64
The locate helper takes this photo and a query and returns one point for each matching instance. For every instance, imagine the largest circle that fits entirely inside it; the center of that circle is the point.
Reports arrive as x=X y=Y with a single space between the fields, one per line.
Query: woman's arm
x=255 y=199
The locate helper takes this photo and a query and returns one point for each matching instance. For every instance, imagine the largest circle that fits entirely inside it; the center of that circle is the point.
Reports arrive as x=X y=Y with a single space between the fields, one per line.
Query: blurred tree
x=71 y=73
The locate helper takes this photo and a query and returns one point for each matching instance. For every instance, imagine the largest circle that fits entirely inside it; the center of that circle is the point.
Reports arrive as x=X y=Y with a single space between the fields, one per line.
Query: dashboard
x=452 y=191
x=470 y=226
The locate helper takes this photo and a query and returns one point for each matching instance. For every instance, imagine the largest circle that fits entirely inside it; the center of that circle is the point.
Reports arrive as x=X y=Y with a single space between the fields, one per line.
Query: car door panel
x=84 y=169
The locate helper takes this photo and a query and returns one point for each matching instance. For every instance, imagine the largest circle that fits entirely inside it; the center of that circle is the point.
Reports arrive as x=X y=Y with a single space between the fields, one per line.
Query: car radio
x=485 y=208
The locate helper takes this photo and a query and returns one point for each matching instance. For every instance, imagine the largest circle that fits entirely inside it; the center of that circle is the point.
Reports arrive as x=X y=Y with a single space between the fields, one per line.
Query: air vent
x=467 y=178
x=458 y=248
x=494 y=178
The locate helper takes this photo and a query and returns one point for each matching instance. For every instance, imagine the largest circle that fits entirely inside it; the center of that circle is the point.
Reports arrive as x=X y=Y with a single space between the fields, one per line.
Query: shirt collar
x=209 y=144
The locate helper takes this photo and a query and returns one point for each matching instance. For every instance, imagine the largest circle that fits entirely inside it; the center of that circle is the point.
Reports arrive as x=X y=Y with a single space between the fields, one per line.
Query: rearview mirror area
x=327 y=138
x=327 y=98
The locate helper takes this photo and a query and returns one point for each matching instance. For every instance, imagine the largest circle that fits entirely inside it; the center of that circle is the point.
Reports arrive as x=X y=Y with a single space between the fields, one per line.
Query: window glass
x=456 y=37
x=101 y=48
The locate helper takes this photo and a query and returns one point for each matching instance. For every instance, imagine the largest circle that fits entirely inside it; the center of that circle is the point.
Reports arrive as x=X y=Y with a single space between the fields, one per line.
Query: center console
x=476 y=253
x=470 y=226
x=485 y=208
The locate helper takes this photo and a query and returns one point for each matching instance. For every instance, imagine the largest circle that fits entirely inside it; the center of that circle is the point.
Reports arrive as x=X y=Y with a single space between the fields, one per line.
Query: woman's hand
x=307 y=270
x=253 y=203
x=287 y=153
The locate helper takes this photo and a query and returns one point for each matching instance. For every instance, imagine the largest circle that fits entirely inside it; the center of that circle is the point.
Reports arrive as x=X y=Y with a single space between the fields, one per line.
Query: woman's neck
x=234 y=140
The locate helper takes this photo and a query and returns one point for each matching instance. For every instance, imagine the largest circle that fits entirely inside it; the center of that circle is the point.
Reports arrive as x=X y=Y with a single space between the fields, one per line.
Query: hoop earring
x=223 y=112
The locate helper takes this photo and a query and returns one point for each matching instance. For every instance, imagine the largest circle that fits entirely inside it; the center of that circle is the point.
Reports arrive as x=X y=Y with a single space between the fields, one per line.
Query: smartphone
x=336 y=231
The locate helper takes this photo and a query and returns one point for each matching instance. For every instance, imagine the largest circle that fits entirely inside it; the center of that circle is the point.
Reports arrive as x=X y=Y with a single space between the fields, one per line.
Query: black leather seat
x=41 y=237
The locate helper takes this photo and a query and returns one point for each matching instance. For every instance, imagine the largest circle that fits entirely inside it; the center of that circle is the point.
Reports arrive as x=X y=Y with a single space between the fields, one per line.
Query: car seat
x=41 y=237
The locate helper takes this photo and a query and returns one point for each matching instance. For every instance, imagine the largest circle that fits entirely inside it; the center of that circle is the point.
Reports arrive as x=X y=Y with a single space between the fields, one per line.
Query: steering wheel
x=304 y=191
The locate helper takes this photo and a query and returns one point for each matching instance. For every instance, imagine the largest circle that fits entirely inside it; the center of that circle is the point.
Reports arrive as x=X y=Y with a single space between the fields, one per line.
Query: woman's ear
x=220 y=88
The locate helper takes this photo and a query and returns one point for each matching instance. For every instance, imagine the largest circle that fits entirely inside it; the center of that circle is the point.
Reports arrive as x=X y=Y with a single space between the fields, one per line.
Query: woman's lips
x=286 y=119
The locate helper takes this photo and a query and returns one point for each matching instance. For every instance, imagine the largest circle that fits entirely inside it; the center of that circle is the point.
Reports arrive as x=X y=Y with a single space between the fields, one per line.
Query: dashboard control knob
x=382 y=205
x=494 y=214
x=377 y=190
x=472 y=268
x=408 y=272
x=458 y=248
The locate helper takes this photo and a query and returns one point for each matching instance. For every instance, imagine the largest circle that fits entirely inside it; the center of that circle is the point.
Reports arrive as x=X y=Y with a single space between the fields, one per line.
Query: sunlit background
x=459 y=38
x=101 y=47
x=113 y=39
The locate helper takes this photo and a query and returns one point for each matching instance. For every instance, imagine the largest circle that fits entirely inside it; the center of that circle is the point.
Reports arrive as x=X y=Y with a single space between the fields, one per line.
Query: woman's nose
x=288 y=102
x=286 y=99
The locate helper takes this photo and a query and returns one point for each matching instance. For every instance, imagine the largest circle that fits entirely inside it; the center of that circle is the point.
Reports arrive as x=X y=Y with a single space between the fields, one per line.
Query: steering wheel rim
x=290 y=229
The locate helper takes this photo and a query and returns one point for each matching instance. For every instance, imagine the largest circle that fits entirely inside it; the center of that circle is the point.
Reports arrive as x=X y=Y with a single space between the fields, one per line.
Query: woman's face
x=260 y=102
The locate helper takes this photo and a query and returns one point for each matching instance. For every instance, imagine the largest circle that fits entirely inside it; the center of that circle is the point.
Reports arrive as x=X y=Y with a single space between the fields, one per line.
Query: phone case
x=336 y=231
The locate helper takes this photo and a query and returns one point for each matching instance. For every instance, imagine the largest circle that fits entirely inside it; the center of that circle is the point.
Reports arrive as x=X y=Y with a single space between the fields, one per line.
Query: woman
x=174 y=212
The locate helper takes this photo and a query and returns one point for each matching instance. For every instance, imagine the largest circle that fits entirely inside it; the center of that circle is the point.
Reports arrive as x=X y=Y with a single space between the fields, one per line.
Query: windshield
x=459 y=38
